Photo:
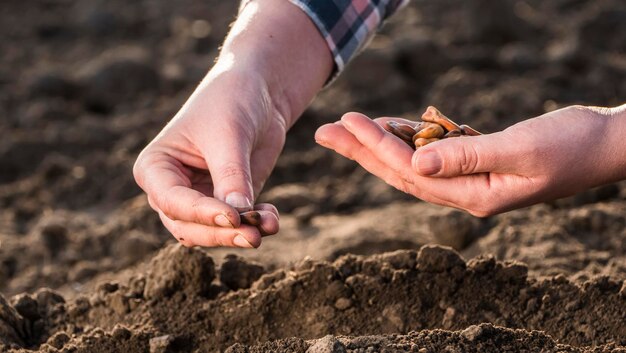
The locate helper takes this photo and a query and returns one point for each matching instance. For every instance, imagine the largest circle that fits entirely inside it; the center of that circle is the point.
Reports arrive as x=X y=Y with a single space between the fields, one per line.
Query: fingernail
x=239 y=201
x=241 y=242
x=344 y=121
x=429 y=163
x=223 y=221
x=322 y=143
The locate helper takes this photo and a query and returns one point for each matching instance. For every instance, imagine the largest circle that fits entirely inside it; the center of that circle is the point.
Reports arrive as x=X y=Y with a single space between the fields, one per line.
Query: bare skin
x=212 y=159
x=551 y=156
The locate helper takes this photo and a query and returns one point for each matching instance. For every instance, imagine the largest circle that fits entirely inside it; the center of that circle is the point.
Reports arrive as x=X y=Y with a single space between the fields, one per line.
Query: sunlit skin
x=551 y=156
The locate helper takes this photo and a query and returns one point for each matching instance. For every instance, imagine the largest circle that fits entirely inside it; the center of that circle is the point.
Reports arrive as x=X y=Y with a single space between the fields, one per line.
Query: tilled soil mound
x=85 y=265
x=184 y=304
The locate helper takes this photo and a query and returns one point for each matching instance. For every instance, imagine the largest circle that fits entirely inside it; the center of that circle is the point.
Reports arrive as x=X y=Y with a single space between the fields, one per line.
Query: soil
x=85 y=265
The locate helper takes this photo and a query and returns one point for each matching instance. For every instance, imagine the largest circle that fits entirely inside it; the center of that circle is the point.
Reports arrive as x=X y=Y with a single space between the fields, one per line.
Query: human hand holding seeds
x=551 y=156
x=204 y=168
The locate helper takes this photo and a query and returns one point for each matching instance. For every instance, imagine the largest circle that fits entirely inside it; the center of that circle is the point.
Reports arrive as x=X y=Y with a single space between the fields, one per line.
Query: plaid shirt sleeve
x=347 y=25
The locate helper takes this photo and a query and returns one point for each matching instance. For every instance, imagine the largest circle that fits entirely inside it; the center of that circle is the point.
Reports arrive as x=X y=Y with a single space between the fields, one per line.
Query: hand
x=211 y=161
x=552 y=156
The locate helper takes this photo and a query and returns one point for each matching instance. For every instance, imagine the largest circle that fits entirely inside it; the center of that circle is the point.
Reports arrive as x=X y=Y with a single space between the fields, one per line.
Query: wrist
x=278 y=41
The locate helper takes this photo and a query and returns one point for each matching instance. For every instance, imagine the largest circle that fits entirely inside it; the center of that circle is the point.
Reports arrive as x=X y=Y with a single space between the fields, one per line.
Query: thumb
x=462 y=156
x=228 y=161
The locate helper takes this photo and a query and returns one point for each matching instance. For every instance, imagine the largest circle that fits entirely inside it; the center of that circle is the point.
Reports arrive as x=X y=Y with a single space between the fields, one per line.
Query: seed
x=434 y=116
x=401 y=132
x=453 y=133
x=252 y=218
x=421 y=142
x=420 y=125
x=469 y=131
x=431 y=130
x=434 y=126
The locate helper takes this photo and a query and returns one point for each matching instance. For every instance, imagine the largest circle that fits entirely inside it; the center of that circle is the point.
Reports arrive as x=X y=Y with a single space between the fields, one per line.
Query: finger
x=227 y=153
x=267 y=207
x=169 y=190
x=447 y=192
x=270 y=217
x=192 y=234
x=269 y=223
x=467 y=192
x=467 y=155
x=152 y=204
x=338 y=138
x=264 y=157
x=383 y=145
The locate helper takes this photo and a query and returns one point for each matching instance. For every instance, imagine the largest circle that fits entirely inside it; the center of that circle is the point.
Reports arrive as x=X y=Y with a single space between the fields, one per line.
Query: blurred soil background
x=85 y=265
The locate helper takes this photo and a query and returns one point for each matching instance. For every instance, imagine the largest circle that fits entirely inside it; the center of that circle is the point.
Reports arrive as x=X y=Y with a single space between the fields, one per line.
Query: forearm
x=277 y=41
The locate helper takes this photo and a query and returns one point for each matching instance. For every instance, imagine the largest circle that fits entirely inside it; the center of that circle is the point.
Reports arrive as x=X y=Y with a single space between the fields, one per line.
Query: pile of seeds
x=433 y=127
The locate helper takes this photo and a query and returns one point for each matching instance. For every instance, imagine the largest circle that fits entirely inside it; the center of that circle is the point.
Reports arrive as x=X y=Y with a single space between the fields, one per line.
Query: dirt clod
x=161 y=344
x=343 y=304
x=438 y=259
x=177 y=268
x=26 y=306
x=455 y=228
x=328 y=344
x=236 y=273
x=58 y=340
x=10 y=324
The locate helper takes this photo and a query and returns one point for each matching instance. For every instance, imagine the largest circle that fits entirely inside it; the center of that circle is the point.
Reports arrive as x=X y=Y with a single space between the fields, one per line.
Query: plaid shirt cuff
x=347 y=25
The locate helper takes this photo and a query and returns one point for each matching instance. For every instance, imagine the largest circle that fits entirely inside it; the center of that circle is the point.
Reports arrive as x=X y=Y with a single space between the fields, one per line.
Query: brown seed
x=406 y=128
x=434 y=116
x=252 y=218
x=469 y=131
x=420 y=125
x=453 y=133
x=399 y=133
x=403 y=131
x=431 y=130
x=420 y=142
